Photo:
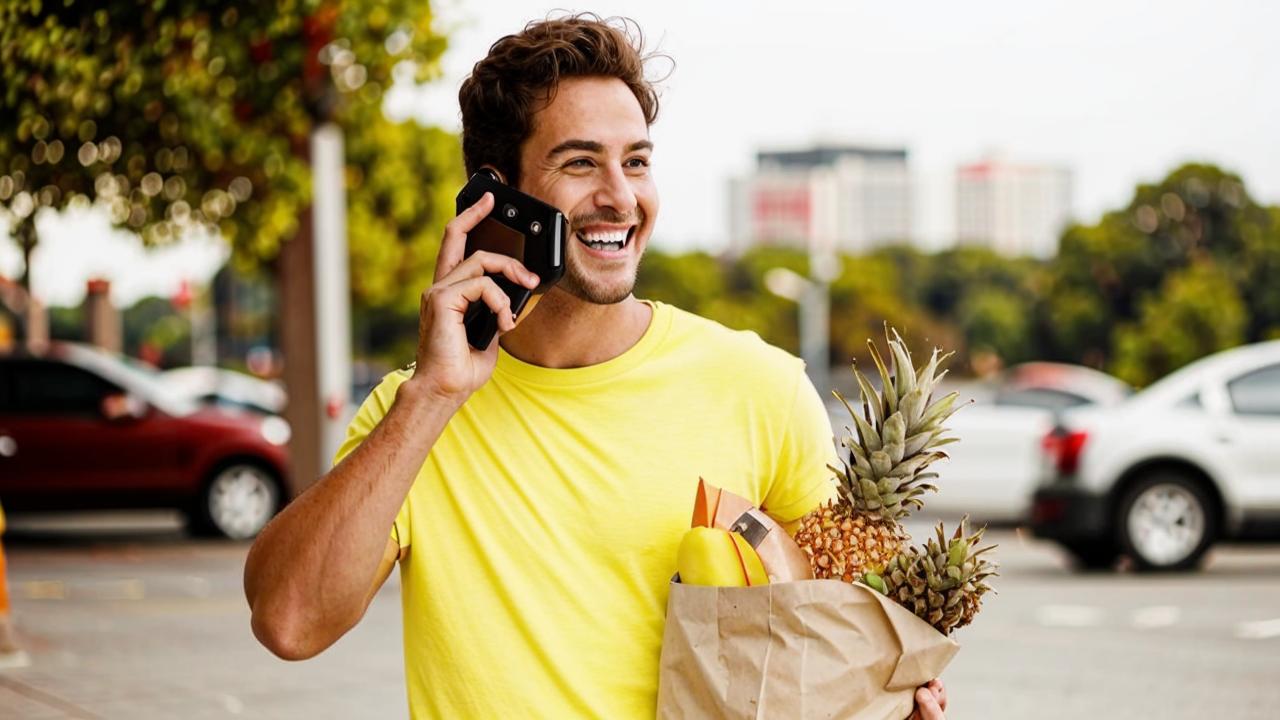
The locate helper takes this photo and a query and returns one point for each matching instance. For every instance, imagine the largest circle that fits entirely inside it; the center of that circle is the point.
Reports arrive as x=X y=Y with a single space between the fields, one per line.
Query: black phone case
x=543 y=231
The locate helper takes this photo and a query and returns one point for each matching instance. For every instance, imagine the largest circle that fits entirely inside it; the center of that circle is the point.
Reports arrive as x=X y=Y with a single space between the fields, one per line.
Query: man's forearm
x=308 y=575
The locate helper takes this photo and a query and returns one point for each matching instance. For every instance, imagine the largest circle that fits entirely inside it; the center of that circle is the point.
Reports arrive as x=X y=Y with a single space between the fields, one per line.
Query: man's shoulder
x=384 y=393
x=740 y=351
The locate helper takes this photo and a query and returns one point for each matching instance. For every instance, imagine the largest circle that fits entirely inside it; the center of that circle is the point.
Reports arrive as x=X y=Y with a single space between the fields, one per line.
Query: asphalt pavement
x=124 y=617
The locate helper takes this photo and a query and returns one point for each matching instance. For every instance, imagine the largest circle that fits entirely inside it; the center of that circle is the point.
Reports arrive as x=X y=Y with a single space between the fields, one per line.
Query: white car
x=225 y=388
x=1192 y=459
x=993 y=471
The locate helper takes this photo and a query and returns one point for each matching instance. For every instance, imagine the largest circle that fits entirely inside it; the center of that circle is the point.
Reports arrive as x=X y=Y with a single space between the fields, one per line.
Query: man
x=536 y=492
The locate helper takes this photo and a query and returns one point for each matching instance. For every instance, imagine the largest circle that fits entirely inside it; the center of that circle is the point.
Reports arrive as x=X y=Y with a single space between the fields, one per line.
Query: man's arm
x=314 y=569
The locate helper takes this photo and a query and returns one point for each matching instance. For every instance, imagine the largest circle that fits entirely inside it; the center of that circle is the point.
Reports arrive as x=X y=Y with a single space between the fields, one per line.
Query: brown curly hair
x=520 y=75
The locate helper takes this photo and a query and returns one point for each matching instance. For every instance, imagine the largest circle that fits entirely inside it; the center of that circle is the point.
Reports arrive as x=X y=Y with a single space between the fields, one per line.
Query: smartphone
x=519 y=226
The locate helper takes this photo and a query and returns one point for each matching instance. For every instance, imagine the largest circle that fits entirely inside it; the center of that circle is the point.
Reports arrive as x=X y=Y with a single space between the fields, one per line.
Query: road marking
x=1069 y=615
x=44 y=590
x=231 y=703
x=68 y=709
x=1157 y=616
x=197 y=586
x=122 y=589
x=1259 y=630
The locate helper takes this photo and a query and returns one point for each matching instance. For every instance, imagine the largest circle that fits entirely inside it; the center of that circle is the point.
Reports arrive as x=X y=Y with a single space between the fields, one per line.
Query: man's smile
x=606 y=241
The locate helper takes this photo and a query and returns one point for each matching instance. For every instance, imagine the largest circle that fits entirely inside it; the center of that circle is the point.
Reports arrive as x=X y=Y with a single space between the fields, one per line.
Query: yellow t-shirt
x=542 y=529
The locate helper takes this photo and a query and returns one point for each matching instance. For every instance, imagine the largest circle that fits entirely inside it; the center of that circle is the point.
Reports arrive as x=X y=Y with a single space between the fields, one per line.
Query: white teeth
x=605 y=237
x=611 y=241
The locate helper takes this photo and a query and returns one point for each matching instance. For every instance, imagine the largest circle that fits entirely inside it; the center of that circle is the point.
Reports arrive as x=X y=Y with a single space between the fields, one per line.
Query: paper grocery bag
x=804 y=649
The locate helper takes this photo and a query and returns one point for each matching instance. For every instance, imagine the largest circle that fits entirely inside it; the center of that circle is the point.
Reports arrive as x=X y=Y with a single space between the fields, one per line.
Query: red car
x=84 y=429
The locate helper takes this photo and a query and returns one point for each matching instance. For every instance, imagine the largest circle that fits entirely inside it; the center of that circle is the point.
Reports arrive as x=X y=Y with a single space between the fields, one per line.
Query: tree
x=177 y=113
x=1198 y=311
x=1106 y=274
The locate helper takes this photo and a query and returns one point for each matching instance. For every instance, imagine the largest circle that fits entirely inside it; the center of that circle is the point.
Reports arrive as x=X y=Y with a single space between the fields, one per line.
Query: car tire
x=1098 y=554
x=1166 y=522
x=237 y=501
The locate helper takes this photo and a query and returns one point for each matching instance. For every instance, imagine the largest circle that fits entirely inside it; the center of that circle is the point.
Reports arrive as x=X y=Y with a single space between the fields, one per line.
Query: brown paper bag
x=805 y=649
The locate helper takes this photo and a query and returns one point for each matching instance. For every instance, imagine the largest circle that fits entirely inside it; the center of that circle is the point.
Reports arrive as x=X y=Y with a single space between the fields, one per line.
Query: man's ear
x=495 y=172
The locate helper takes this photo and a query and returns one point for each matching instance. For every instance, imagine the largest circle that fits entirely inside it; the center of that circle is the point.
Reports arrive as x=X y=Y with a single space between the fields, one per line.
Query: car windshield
x=1046 y=398
x=134 y=376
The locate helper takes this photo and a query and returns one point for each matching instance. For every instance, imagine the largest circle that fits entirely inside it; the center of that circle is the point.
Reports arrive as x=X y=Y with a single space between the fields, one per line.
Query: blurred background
x=216 y=221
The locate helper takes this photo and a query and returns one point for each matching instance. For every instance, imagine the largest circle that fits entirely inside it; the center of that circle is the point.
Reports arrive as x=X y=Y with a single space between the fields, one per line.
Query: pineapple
x=943 y=582
x=897 y=437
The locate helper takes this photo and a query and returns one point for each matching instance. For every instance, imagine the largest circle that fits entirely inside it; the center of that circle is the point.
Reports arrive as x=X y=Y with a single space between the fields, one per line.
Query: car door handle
x=8 y=446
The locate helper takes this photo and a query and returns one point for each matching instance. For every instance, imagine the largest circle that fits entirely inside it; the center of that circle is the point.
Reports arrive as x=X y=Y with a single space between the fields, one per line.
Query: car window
x=1191 y=401
x=1257 y=393
x=38 y=387
x=1040 y=398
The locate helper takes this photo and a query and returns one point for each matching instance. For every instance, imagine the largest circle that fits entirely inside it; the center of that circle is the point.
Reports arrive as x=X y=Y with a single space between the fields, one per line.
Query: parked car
x=994 y=469
x=225 y=388
x=84 y=429
x=1191 y=460
x=1051 y=386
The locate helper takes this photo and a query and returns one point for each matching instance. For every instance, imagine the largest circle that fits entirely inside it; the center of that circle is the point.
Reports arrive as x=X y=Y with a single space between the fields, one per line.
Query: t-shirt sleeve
x=371 y=412
x=803 y=481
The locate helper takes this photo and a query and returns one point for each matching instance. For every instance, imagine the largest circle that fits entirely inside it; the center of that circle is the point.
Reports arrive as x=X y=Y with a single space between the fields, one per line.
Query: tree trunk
x=295 y=277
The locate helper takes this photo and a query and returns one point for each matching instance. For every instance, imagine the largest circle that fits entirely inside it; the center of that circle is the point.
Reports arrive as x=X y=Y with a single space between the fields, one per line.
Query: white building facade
x=1011 y=208
x=850 y=199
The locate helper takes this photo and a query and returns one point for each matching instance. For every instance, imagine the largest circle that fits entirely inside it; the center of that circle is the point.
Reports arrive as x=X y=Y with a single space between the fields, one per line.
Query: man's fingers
x=939 y=692
x=483 y=262
x=454 y=244
x=927 y=707
x=485 y=290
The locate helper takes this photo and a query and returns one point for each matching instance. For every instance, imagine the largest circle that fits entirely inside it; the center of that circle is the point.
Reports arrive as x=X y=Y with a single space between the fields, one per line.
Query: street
x=143 y=623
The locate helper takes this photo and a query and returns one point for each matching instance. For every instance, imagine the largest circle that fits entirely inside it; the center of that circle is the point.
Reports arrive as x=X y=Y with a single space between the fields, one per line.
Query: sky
x=1120 y=92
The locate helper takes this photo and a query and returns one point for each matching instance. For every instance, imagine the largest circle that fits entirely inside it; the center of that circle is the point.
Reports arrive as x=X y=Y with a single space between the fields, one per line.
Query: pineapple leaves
x=870 y=438
x=870 y=397
x=886 y=380
x=903 y=374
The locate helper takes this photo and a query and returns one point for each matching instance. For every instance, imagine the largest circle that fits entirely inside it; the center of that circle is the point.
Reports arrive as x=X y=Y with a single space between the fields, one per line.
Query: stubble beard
x=579 y=284
x=591 y=290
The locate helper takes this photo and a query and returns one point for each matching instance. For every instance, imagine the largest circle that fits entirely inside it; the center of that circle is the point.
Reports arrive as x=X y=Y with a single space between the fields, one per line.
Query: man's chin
x=596 y=293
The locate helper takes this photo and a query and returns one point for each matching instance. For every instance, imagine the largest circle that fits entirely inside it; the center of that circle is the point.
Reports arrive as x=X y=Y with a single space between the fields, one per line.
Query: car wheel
x=1093 y=554
x=1167 y=522
x=238 y=501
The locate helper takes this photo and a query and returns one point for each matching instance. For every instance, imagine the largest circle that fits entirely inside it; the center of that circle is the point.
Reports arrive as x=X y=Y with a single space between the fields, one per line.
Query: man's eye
x=580 y=163
x=638 y=162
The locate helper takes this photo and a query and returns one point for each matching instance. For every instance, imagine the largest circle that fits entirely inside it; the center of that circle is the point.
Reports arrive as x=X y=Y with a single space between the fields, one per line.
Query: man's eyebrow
x=594 y=147
x=569 y=145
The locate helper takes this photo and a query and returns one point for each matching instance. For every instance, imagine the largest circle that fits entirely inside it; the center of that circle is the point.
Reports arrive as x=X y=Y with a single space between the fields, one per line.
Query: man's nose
x=615 y=191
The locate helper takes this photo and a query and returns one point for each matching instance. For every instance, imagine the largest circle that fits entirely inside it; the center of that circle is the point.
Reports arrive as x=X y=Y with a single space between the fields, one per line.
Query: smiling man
x=534 y=493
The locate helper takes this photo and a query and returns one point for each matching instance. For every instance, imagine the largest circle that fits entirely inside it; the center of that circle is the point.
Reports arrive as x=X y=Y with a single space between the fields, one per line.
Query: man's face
x=588 y=155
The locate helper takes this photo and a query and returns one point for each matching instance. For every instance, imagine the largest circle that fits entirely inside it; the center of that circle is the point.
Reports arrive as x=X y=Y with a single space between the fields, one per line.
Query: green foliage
x=154 y=322
x=1108 y=276
x=996 y=320
x=178 y=113
x=1198 y=312
x=401 y=179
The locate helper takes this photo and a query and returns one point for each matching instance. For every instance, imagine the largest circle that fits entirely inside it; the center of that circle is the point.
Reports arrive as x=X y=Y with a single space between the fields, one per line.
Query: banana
x=711 y=556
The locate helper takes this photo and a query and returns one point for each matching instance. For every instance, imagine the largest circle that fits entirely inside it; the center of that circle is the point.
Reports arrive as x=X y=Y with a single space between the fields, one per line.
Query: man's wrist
x=421 y=392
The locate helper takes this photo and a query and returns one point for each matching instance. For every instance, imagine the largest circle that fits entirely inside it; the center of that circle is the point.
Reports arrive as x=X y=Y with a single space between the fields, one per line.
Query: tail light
x=1064 y=447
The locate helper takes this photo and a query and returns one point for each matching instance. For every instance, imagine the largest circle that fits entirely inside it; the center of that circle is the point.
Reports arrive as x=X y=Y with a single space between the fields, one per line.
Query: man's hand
x=446 y=364
x=931 y=701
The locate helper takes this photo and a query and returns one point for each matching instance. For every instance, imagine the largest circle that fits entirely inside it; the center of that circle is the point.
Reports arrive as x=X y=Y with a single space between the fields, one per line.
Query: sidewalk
x=159 y=628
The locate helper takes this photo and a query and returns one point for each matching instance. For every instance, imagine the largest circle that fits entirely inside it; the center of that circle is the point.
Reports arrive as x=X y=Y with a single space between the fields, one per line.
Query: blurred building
x=1012 y=208
x=854 y=198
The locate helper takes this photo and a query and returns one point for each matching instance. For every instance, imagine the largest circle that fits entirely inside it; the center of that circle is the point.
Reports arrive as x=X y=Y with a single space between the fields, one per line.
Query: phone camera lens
x=535 y=227
x=510 y=211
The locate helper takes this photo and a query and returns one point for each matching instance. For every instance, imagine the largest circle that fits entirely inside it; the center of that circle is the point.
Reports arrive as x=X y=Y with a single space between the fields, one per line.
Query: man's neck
x=564 y=331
